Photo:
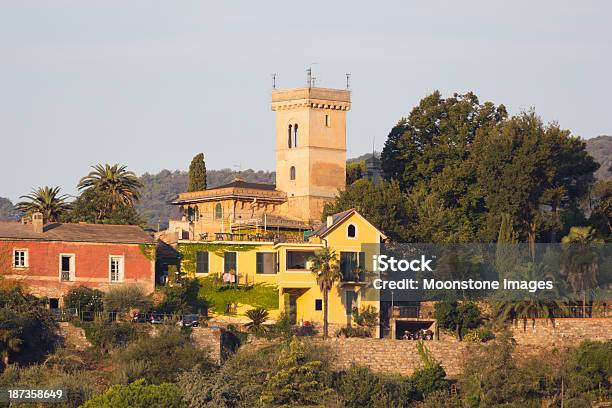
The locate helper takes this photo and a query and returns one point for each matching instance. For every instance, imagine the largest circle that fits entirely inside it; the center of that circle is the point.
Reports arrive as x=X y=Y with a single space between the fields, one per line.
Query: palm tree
x=580 y=260
x=258 y=316
x=530 y=305
x=122 y=185
x=327 y=271
x=45 y=200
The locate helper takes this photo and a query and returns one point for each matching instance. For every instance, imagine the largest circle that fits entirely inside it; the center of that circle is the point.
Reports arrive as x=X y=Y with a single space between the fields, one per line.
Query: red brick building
x=51 y=259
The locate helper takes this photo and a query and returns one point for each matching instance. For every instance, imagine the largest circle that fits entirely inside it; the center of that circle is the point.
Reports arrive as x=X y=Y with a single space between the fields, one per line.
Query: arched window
x=218 y=211
x=289 y=137
x=295 y=135
x=351 y=231
x=292 y=173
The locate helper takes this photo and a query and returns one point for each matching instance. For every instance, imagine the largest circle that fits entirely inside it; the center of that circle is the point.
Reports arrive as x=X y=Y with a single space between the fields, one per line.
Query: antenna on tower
x=274 y=80
x=309 y=77
x=348 y=76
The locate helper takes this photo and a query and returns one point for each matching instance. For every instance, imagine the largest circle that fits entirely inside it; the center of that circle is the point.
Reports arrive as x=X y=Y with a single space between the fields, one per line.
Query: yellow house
x=286 y=266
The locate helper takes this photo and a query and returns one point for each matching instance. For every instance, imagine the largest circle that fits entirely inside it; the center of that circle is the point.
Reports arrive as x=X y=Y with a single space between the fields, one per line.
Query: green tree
x=456 y=316
x=138 y=395
x=327 y=272
x=581 y=261
x=383 y=204
x=99 y=207
x=296 y=380
x=506 y=248
x=46 y=200
x=354 y=171
x=601 y=217
x=10 y=335
x=197 y=174
x=122 y=185
x=123 y=298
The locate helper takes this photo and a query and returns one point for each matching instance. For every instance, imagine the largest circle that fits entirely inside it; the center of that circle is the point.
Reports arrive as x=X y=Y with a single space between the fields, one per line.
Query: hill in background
x=161 y=188
x=600 y=148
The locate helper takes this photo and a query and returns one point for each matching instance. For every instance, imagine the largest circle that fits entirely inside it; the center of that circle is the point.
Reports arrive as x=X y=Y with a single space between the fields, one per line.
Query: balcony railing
x=65 y=276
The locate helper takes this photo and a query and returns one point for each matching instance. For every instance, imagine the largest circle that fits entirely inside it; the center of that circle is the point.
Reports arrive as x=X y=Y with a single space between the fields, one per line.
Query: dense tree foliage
x=138 y=395
x=27 y=328
x=46 y=200
x=85 y=300
x=99 y=207
x=459 y=165
x=197 y=174
x=122 y=185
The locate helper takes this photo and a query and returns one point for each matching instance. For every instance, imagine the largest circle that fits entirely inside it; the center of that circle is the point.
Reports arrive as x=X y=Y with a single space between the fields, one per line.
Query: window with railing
x=67 y=267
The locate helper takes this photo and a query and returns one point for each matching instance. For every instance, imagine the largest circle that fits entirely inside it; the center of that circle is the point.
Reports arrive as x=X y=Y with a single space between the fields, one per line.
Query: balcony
x=65 y=276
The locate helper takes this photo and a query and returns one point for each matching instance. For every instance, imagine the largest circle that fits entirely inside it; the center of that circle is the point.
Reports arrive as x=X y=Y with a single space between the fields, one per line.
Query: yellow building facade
x=286 y=266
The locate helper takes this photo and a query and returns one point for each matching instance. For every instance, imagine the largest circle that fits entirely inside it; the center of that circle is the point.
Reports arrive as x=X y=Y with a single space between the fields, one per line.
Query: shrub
x=138 y=395
x=164 y=355
x=106 y=335
x=306 y=329
x=282 y=328
x=366 y=316
x=28 y=329
x=296 y=379
x=85 y=300
x=481 y=335
x=124 y=298
x=360 y=387
x=458 y=317
x=429 y=379
x=350 y=331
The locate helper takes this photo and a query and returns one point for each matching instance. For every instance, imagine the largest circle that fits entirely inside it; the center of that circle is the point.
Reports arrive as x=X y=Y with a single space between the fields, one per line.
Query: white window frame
x=121 y=268
x=72 y=272
x=26 y=261
x=356 y=231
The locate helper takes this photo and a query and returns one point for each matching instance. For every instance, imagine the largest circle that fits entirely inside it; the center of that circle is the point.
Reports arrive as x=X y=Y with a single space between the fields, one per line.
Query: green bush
x=258 y=317
x=458 y=317
x=138 y=395
x=366 y=316
x=85 y=300
x=123 y=298
x=351 y=331
x=28 y=329
x=360 y=387
x=429 y=379
x=107 y=335
x=480 y=335
x=296 y=380
x=164 y=355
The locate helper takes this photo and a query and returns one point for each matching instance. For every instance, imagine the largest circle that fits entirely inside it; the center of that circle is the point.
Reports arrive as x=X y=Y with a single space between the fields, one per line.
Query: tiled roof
x=336 y=219
x=103 y=233
x=244 y=184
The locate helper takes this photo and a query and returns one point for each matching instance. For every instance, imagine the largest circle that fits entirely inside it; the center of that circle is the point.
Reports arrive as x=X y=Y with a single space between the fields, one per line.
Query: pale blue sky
x=151 y=83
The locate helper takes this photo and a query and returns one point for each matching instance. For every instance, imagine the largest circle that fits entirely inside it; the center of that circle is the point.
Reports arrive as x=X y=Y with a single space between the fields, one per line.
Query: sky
x=151 y=83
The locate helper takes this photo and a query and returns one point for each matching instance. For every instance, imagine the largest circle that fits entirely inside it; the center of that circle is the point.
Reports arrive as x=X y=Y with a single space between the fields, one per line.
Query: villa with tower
x=249 y=233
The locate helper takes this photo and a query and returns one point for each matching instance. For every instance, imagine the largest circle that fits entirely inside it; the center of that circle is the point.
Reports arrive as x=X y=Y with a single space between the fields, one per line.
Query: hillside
x=600 y=148
x=7 y=210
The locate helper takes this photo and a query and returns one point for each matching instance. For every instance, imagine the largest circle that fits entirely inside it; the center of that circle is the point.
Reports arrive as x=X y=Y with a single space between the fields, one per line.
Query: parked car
x=156 y=318
x=190 y=320
x=139 y=318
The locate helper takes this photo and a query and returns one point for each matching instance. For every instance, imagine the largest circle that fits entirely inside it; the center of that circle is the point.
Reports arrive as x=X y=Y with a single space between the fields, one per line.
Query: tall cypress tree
x=197 y=174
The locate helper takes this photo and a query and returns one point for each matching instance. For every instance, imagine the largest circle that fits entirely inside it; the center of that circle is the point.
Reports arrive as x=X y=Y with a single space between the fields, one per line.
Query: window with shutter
x=201 y=262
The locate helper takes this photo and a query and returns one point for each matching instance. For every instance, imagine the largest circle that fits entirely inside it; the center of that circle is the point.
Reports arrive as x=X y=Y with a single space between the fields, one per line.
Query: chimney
x=330 y=221
x=37 y=222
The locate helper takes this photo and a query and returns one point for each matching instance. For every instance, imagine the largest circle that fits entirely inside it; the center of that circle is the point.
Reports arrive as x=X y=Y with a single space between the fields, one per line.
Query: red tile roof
x=103 y=233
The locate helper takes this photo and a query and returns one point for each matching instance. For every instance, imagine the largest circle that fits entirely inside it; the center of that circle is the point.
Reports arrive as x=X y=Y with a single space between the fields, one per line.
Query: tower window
x=218 y=211
x=290 y=137
x=327 y=121
x=295 y=135
x=292 y=173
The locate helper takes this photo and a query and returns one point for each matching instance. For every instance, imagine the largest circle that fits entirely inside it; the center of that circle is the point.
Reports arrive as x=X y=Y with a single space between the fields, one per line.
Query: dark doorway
x=53 y=303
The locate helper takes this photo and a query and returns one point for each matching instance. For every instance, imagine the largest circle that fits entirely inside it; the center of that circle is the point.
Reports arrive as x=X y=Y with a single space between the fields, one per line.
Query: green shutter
x=201 y=262
x=362 y=261
x=259 y=267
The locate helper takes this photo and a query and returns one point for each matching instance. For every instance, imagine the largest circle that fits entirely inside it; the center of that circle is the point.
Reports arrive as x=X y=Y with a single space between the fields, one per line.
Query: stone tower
x=310 y=147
